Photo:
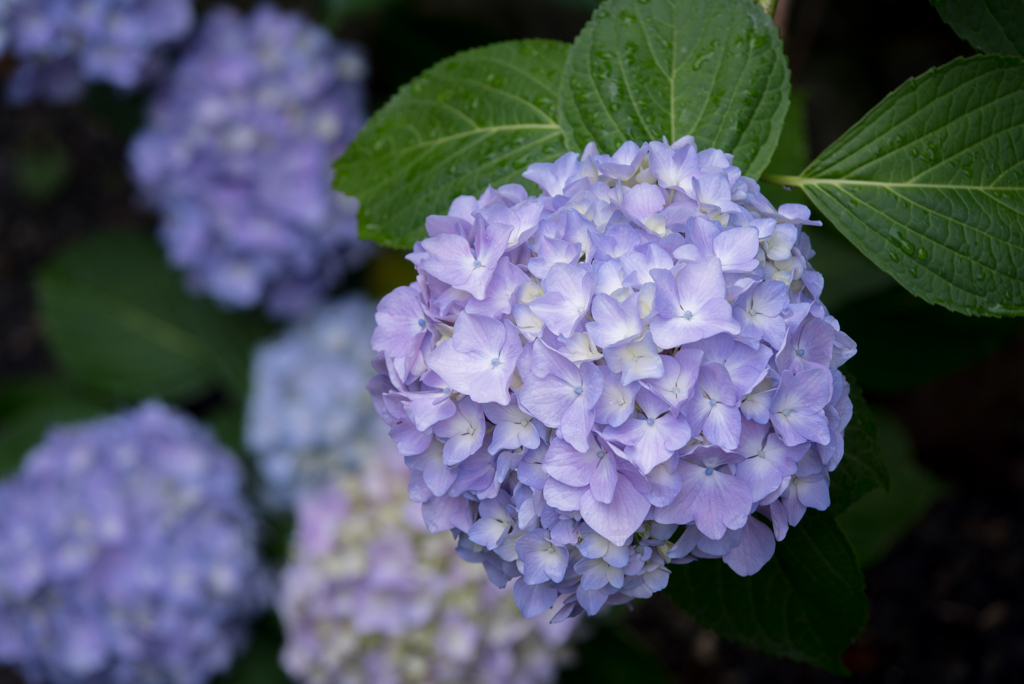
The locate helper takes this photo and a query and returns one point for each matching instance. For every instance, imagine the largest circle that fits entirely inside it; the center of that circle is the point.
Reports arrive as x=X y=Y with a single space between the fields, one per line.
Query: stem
x=768 y=6
x=779 y=179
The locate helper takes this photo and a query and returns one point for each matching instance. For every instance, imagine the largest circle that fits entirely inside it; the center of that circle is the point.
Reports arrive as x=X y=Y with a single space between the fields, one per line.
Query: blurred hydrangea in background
x=236 y=155
x=129 y=554
x=62 y=45
x=641 y=347
x=308 y=416
x=369 y=596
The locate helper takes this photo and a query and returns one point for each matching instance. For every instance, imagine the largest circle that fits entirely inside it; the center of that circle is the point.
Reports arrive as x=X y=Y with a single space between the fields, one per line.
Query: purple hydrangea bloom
x=633 y=364
x=127 y=554
x=61 y=45
x=236 y=157
x=306 y=416
x=369 y=596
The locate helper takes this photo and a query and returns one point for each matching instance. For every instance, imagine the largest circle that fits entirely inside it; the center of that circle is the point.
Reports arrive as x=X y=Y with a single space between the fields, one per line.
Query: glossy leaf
x=849 y=275
x=117 y=321
x=992 y=26
x=862 y=468
x=930 y=185
x=478 y=118
x=806 y=604
x=875 y=523
x=714 y=70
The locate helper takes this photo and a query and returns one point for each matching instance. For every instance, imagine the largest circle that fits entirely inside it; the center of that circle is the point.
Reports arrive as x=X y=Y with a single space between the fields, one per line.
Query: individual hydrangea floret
x=236 y=157
x=575 y=376
x=127 y=554
x=62 y=45
x=369 y=596
x=307 y=417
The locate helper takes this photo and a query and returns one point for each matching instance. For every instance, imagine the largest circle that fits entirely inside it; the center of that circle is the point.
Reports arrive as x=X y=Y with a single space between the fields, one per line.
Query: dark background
x=946 y=604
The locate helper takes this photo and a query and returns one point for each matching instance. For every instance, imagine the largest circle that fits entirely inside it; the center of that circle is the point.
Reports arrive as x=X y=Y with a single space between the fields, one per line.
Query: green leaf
x=28 y=408
x=118 y=322
x=806 y=604
x=714 y=70
x=879 y=520
x=849 y=275
x=993 y=26
x=42 y=168
x=478 y=118
x=930 y=185
x=862 y=468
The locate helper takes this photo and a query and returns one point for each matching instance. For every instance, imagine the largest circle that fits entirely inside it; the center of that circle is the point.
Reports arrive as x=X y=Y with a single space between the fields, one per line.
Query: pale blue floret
x=307 y=416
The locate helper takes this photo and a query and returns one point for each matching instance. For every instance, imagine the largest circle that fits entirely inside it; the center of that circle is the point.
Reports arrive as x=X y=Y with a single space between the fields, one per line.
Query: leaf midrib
x=802 y=181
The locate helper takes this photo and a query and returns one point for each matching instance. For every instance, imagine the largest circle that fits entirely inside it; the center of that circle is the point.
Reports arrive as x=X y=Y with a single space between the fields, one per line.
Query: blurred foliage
x=337 y=11
x=613 y=653
x=880 y=519
x=31 y=406
x=117 y=321
x=259 y=664
x=42 y=168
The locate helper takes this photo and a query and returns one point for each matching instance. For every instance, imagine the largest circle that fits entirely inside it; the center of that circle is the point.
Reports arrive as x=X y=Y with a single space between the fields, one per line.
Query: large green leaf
x=642 y=70
x=806 y=604
x=117 y=321
x=930 y=185
x=879 y=520
x=993 y=26
x=478 y=118
x=849 y=275
x=862 y=468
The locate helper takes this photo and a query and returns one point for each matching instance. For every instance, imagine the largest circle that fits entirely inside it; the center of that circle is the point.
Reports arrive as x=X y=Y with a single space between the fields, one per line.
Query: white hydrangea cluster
x=369 y=596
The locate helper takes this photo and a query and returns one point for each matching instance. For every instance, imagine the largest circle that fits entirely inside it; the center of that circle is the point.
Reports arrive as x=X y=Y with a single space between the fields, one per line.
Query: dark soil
x=947 y=605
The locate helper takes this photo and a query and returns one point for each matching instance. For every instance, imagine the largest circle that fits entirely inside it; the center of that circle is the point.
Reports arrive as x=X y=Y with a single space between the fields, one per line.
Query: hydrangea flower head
x=236 y=157
x=61 y=45
x=369 y=596
x=307 y=417
x=616 y=375
x=127 y=554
